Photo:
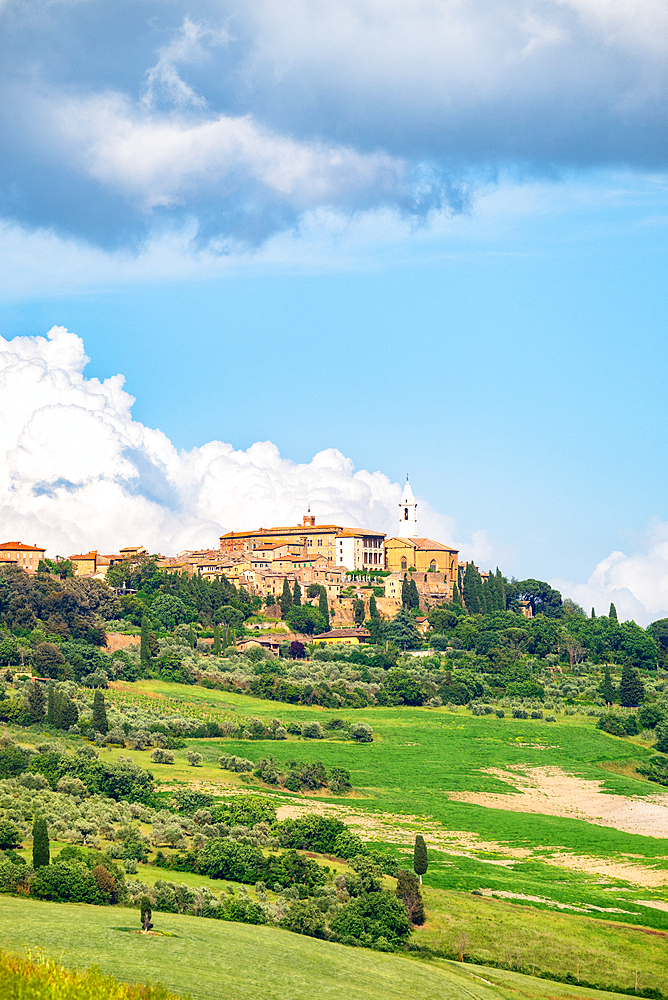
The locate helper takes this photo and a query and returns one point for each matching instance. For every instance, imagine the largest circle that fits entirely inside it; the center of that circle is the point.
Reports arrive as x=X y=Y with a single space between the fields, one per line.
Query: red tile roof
x=20 y=547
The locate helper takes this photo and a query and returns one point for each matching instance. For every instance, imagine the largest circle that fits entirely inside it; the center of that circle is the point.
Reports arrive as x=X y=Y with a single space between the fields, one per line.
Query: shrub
x=520 y=713
x=311 y=833
x=361 y=732
x=312 y=731
x=536 y=715
x=305 y=917
x=371 y=916
x=42 y=979
x=408 y=891
x=10 y=836
x=70 y=786
x=164 y=756
x=194 y=758
x=662 y=737
x=236 y=764
x=66 y=882
x=500 y=714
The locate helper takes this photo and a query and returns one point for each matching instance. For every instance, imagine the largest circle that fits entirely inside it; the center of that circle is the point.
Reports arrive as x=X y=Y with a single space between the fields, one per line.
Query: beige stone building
x=28 y=557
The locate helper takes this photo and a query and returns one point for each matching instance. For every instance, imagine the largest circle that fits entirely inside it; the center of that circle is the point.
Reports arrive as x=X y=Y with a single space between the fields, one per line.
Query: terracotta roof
x=19 y=546
x=86 y=555
x=343 y=633
x=423 y=544
x=360 y=532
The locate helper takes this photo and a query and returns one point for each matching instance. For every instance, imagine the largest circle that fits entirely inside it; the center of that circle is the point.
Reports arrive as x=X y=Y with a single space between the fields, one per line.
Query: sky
x=261 y=256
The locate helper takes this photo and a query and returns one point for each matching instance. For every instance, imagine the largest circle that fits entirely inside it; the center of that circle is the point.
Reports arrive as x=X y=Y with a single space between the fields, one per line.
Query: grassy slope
x=495 y=930
x=211 y=960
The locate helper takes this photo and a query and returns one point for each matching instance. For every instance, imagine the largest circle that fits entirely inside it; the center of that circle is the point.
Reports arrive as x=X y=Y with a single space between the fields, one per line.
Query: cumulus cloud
x=637 y=584
x=76 y=471
x=115 y=120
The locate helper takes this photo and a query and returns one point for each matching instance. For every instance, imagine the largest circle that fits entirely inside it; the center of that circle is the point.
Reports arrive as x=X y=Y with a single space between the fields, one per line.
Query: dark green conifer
x=286 y=598
x=216 y=640
x=144 y=644
x=373 y=607
x=145 y=913
x=296 y=595
x=36 y=702
x=323 y=607
x=608 y=692
x=51 y=706
x=413 y=596
x=41 y=856
x=631 y=688
x=405 y=593
x=69 y=714
x=191 y=637
x=593 y=612
x=100 y=724
x=456 y=599
x=420 y=857
x=612 y=613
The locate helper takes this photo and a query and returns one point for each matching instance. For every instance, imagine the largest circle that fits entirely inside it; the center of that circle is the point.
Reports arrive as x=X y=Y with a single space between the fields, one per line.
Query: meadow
x=208 y=959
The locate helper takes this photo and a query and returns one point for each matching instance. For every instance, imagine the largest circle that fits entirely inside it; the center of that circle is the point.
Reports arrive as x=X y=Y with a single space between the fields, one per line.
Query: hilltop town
x=350 y=566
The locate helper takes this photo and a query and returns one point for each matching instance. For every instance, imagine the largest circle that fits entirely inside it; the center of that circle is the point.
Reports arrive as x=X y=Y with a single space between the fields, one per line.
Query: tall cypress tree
x=191 y=637
x=405 y=593
x=323 y=607
x=413 y=596
x=36 y=702
x=100 y=724
x=41 y=855
x=593 y=612
x=216 y=640
x=420 y=864
x=51 y=706
x=144 y=644
x=608 y=691
x=373 y=607
x=456 y=599
x=286 y=598
x=612 y=613
x=58 y=703
x=297 y=595
x=472 y=590
x=501 y=590
x=631 y=688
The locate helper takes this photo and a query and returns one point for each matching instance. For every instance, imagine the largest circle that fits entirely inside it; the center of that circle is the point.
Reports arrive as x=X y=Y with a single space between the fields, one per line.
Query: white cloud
x=76 y=471
x=637 y=584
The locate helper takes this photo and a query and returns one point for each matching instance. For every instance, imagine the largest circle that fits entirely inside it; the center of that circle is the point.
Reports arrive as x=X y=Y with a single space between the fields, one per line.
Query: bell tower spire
x=407 y=513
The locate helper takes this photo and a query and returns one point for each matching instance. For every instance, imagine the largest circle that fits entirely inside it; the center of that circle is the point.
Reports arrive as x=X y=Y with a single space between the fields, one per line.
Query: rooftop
x=19 y=546
x=423 y=544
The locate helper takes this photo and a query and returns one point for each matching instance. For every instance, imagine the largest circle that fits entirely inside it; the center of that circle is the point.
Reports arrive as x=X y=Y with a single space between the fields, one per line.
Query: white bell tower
x=407 y=513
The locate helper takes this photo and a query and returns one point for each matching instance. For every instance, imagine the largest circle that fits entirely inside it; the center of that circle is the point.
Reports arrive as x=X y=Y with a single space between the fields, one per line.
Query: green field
x=573 y=920
x=213 y=960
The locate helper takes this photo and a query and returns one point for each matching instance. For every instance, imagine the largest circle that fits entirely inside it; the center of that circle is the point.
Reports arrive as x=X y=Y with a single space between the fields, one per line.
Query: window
x=405 y=513
x=404 y=564
x=433 y=567
x=320 y=542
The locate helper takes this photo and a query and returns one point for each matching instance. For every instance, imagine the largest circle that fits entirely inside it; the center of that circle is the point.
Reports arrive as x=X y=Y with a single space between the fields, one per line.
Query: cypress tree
x=607 y=687
x=100 y=724
x=612 y=613
x=413 y=596
x=232 y=640
x=58 y=702
x=373 y=607
x=286 y=598
x=51 y=706
x=70 y=714
x=323 y=607
x=456 y=599
x=191 y=637
x=41 y=855
x=297 y=595
x=405 y=593
x=420 y=857
x=36 y=702
x=215 y=649
x=144 y=644
x=593 y=612
x=145 y=913
x=501 y=590
x=472 y=590
x=631 y=688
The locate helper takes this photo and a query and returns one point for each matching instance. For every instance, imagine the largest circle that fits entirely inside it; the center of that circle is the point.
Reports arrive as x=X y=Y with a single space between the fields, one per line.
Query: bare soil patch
x=552 y=792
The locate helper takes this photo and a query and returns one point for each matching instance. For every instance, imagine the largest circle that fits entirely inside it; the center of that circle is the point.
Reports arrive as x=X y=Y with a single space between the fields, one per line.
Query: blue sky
x=430 y=236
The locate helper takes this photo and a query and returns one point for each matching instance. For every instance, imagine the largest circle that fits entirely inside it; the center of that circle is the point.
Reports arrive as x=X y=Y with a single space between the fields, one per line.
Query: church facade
x=409 y=551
